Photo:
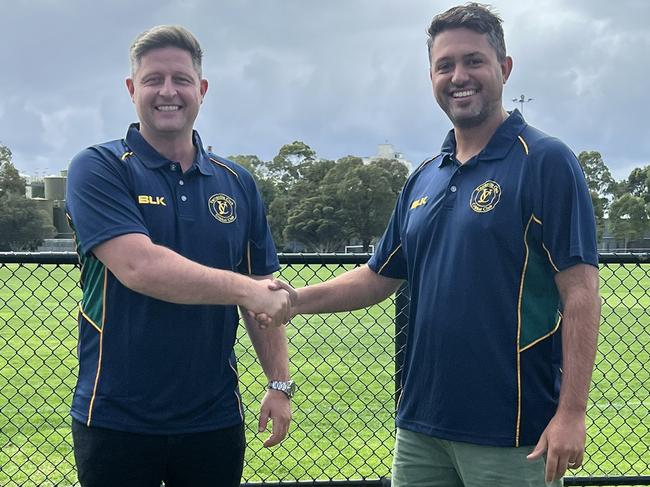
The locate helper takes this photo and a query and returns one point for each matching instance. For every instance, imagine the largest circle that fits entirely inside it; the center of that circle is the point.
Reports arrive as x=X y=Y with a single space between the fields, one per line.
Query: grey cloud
x=342 y=75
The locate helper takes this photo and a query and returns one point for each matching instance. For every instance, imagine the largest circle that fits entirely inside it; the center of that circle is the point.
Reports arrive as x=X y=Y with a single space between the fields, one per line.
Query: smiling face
x=467 y=77
x=167 y=92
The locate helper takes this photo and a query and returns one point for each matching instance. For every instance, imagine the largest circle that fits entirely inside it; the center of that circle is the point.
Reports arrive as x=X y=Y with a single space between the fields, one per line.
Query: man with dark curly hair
x=496 y=238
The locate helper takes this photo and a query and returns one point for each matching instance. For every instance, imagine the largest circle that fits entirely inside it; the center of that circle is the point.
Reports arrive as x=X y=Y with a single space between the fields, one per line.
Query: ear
x=203 y=88
x=131 y=87
x=506 y=68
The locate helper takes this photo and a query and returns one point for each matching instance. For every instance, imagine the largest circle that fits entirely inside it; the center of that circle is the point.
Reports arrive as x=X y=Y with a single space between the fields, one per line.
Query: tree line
x=313 y=204
x=621 y=207
x=23 y=225
x=321 y=205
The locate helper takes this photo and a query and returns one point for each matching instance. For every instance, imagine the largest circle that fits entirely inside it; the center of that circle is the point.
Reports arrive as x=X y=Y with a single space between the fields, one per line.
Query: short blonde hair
x=166 y=36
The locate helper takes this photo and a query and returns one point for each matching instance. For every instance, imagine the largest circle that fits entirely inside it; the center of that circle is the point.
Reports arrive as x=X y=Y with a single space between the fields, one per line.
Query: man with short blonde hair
x=171 y=239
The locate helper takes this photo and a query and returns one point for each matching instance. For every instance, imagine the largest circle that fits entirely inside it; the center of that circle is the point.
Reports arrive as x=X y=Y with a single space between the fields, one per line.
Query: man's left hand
x=563 y=440
x=276 y=406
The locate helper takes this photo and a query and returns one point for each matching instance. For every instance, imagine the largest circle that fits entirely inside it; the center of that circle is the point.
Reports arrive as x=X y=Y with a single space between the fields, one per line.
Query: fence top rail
x=38 y=258
x=291 y=259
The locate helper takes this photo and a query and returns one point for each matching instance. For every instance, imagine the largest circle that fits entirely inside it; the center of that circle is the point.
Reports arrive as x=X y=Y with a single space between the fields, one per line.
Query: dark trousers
x=112 y=458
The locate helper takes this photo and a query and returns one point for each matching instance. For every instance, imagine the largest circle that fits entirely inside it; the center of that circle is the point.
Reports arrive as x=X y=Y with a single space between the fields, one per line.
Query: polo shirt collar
x=497 y=147
x=152 y=159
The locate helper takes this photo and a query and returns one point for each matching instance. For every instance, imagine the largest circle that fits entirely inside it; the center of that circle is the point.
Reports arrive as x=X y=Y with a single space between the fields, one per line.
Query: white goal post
x=357 y=249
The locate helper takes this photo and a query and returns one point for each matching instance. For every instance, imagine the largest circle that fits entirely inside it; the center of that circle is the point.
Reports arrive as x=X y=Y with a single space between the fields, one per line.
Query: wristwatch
x=286 y=386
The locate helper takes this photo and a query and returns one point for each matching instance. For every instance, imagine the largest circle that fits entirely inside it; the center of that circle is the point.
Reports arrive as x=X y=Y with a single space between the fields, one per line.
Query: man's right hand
x=270 y=305
x=355 y=289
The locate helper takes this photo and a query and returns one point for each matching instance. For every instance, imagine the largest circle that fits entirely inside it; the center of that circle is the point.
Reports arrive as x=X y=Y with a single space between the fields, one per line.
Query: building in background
x=387 y=151
x=49 y=193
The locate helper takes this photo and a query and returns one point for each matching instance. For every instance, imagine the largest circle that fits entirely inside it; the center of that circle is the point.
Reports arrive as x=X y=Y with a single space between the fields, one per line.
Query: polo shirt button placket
x=174 y=167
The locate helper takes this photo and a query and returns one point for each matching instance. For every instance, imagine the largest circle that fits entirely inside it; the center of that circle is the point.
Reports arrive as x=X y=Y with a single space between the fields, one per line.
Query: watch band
x=286 y=386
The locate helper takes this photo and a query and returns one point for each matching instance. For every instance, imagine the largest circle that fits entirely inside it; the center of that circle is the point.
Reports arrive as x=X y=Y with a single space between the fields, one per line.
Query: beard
x=473 y=116
x=467 y=120
x=478 y=109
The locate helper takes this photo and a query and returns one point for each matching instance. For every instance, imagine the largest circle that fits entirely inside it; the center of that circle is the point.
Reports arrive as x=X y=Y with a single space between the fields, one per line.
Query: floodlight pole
x=521 y=100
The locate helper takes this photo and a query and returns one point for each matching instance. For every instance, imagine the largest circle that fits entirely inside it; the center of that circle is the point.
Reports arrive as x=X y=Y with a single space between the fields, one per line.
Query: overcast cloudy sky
x=341 y=75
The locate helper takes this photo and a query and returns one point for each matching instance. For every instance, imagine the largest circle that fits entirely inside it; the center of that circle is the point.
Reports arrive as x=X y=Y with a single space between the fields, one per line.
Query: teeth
x=168 y=108
x=463 y=94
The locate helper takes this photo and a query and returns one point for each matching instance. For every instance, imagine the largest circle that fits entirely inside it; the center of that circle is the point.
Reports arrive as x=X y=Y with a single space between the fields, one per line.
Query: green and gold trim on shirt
x=93 y=308
x=94 y=281
x=94 y=276
x=538 y=316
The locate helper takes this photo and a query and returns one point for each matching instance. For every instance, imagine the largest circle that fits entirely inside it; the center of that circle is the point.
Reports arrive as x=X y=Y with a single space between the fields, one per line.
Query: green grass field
x=343 y=414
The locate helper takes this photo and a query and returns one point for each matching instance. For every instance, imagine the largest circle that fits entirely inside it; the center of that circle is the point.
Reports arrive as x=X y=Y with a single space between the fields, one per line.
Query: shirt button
x=453 y=189
x=172 y=167
x=183 y=198
x=181 y=182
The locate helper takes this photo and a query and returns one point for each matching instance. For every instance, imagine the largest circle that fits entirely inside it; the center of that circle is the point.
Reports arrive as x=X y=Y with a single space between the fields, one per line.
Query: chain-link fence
x=345 y=365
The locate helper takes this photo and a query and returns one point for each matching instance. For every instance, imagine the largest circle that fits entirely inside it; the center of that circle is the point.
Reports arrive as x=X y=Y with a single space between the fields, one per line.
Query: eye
x=443 y=67
x=475 y=62
x=183 y=80
x=151 y=80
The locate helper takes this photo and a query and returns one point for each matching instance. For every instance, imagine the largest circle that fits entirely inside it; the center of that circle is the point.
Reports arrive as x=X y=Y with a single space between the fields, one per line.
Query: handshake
x=271 y=302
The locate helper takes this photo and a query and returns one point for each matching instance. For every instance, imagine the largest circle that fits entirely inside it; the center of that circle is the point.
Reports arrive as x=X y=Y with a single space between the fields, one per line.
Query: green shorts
x=424 y=461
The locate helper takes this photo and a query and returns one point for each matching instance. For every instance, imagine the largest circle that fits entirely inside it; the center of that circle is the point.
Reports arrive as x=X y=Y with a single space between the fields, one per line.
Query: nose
x=460 y=76
x=168 y=89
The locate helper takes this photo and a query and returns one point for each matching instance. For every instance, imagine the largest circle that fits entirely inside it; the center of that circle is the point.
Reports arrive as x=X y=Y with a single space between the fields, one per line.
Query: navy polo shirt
x=145 y=365
x=479 y=244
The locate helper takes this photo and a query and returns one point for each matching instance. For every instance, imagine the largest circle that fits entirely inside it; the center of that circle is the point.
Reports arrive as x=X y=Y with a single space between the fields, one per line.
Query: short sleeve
x=261 y=256
x=565 y=208
x=388 y=259
x=99 y=201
